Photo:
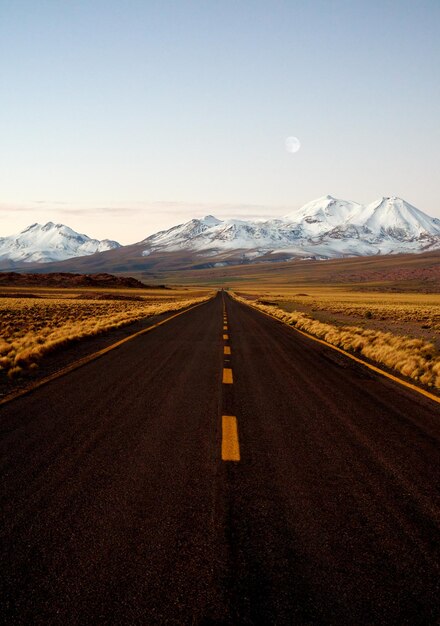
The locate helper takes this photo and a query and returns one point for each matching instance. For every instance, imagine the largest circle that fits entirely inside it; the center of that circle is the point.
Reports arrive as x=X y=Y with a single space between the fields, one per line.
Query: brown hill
x=394 y=272
x=65 y=279
x=400 y=272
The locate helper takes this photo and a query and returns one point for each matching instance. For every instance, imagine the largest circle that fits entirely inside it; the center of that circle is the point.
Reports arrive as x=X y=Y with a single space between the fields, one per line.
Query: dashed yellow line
x=226 y=350
x=227 y=376
x=230 y=445
x=225 y=337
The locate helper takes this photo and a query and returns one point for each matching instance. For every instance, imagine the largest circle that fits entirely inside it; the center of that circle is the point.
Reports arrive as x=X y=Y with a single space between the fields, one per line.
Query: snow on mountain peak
x=325 y=227
x=50 y=242
x=393 y=217
x=210 y=220
x=322 y=215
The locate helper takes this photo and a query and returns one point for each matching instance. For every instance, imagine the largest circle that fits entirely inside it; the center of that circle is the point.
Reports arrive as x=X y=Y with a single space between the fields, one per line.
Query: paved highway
x=221 y=469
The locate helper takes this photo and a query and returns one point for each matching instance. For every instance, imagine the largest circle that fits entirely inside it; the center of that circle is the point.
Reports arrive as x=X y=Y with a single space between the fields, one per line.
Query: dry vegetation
x=423 y=309
x=414 y=314
x=31 y=327
x=412 y=357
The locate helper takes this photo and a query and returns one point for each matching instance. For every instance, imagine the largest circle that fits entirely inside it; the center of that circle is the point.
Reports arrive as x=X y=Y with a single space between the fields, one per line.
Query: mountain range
x=322 y=229
x=50 y=242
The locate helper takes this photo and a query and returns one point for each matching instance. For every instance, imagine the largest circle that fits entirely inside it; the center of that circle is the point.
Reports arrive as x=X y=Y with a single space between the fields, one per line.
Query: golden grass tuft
x=414 y=358
x=31 y=328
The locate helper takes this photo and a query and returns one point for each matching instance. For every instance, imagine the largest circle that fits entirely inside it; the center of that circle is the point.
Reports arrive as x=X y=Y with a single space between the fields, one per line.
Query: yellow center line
x=230 y=445
x=226 y=350
x=225 y=327
x=227 y=375
x=225 y=337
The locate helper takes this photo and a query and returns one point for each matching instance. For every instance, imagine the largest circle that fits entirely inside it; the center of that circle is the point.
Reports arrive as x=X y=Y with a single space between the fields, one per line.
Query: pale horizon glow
x=122 y=121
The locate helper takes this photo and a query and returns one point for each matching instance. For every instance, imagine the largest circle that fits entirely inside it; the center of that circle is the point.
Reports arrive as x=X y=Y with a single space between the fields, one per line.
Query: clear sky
x=120 y=118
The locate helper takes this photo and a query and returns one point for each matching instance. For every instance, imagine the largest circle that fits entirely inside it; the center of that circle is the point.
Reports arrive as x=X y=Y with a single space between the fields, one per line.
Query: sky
x=123 y=118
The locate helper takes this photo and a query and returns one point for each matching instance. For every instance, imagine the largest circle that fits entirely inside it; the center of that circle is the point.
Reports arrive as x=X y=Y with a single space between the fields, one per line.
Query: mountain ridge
x=324 y=228
x=48 y=242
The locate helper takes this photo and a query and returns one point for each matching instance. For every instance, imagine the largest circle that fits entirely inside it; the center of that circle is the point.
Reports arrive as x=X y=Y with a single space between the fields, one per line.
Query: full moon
x=293 y=144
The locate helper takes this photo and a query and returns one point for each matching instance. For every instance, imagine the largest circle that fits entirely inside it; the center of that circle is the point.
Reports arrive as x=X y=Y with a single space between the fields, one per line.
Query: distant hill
x=63 y=279
x=393 y=272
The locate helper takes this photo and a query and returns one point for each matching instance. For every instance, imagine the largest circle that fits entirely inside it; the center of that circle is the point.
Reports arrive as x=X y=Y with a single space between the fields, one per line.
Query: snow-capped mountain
x=324 y=228
x=395 y=218
x=50 y=242
x=319 y=216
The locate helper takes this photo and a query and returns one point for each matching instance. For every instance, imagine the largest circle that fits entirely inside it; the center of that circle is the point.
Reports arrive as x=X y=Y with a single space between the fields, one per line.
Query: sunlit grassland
x=413 y=356
x=34 y=322
x=423 y=308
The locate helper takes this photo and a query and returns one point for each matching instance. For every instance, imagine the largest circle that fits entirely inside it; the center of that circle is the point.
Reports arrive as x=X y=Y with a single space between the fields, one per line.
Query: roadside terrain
x=400 y=332
x=413 y=314
x=48 y=322
x=120 y=503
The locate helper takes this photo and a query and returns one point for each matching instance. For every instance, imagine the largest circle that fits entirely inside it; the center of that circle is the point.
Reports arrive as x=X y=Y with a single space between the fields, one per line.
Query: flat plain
x=222 y=468
x=36 y=322
x=127 y=498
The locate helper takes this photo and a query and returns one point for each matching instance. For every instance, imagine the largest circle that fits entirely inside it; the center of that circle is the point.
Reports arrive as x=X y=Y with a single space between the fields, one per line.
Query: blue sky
x=121 y=118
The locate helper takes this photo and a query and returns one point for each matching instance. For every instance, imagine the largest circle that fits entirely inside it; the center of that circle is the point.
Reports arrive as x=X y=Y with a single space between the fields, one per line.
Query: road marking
x=230 y=445
x=226 y=350
x=431 y=396
x=227 y=375
x=91 y=357
x=225 y=327
x=225 y=337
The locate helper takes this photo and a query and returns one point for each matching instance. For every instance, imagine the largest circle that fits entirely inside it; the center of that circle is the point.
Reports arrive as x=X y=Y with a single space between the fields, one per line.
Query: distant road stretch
x=221 y=469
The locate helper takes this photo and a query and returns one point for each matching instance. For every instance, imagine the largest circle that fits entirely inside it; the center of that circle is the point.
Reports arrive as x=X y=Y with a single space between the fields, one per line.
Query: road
x=119 y=504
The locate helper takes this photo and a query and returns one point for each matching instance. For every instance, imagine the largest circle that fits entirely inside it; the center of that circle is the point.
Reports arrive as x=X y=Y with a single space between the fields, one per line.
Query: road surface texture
x=118 y=508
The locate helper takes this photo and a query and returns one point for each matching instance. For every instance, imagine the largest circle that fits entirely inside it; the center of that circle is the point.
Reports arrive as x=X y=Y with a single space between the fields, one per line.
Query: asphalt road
x=118 y=508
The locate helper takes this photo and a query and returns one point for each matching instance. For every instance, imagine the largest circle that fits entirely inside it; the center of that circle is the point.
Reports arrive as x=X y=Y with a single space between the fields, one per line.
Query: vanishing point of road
x=220 y=469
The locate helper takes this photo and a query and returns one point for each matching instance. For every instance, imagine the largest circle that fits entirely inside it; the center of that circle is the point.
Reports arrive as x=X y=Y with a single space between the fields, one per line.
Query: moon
x=293 y=144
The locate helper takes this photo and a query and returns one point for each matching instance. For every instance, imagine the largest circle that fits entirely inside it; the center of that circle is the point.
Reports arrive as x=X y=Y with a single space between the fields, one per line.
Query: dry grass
x=413 y=314
x=33 y=327
x=400 y=307
x=411 y=357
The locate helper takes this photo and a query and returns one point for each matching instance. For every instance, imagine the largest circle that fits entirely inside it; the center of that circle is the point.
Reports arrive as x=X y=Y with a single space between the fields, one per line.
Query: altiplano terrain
x=412 y=357
x=41 y=320
x=220 y=469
